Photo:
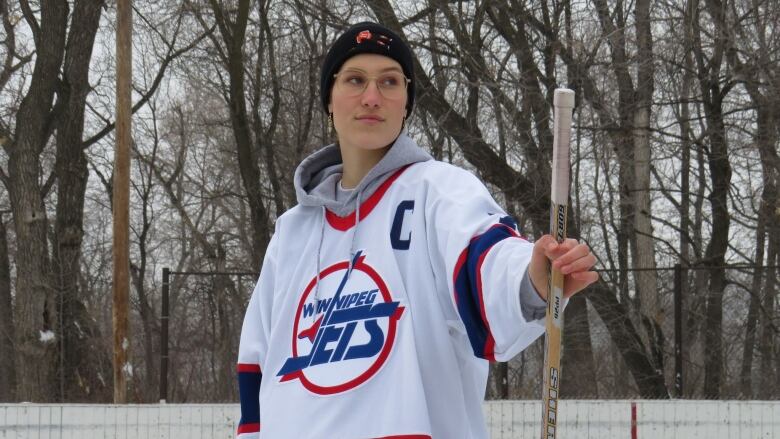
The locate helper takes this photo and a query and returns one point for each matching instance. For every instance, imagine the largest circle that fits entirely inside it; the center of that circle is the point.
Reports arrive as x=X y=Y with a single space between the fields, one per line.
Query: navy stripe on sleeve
x=249 y=378
x=468 y=286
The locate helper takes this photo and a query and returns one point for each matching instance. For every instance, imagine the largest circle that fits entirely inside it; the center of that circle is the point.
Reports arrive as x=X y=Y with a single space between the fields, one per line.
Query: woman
x=395 y=279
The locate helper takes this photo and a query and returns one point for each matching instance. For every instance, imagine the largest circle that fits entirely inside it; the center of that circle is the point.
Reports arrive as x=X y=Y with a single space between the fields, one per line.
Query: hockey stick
x=563 y=103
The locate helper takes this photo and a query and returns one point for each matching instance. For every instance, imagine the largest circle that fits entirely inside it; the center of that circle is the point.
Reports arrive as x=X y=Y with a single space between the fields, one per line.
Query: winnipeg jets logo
x=342 y=338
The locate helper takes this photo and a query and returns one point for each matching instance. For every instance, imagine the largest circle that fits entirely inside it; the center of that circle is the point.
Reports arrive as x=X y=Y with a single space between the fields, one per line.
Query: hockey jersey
x=376 y=318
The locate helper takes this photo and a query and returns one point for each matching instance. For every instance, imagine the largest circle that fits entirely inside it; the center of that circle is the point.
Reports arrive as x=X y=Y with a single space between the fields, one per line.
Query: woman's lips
x=371 y=120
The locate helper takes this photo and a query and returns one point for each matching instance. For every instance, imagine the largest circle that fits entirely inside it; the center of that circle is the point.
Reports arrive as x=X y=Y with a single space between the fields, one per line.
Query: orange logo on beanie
x=363 y=36
x=381 y=40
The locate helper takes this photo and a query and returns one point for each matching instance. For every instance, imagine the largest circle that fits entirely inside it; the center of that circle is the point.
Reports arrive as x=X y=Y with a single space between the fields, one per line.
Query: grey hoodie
x=317 y=175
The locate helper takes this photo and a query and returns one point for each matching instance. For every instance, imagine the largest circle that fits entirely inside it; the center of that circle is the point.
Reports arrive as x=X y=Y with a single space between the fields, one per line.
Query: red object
x=244 y=367
x=249 y=428
x=312 y=331
x=633 y=420
x=363 y=36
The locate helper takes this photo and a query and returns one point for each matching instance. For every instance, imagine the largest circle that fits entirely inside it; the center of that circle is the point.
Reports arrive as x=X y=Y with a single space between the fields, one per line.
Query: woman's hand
x=572 y=258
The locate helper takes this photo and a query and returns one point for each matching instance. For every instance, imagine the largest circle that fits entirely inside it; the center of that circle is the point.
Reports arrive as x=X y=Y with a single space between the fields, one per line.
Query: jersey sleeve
x=477 y=246
x=253 y=346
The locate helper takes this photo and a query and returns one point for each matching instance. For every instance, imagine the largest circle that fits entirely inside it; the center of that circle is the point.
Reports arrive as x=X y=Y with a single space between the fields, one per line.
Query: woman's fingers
x=574 y=260
x=568 y=252
x=583 y=263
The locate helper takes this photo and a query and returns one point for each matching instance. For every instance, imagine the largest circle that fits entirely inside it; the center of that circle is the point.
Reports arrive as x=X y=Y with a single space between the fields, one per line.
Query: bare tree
x=714 y=91
x=232 y=24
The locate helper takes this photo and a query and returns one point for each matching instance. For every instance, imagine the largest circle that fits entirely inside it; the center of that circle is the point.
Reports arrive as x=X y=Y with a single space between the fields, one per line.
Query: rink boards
x=603 y=419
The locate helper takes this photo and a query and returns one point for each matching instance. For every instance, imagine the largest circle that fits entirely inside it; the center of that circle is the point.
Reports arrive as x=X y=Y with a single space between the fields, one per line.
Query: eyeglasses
x=391 y=85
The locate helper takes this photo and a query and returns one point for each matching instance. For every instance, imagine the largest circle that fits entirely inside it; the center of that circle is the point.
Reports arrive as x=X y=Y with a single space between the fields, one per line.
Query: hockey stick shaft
x=563 y=103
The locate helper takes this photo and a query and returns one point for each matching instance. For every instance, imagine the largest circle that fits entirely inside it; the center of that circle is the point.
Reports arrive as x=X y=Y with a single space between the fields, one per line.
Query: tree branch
x=172 y=55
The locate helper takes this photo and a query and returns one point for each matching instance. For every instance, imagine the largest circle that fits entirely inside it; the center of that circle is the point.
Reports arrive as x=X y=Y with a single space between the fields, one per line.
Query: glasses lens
x=391 y=85
x=351 y=83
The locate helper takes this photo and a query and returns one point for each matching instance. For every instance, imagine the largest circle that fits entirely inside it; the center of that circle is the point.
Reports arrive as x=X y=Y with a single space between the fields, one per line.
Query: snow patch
x=128 y=370
x=47 y=336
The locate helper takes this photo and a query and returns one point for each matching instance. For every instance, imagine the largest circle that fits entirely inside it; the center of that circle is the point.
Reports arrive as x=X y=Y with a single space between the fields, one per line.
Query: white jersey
x=384 y=328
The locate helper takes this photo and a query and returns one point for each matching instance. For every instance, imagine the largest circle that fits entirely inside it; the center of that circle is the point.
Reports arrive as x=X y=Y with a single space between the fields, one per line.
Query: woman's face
x=370 y=119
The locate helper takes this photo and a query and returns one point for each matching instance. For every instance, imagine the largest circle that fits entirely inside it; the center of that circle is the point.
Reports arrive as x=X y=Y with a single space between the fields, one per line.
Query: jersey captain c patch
x=344 y=336
x=400 y=234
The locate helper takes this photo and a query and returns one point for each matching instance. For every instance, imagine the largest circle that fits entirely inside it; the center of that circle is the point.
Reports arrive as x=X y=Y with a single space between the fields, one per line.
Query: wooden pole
x=121 y=200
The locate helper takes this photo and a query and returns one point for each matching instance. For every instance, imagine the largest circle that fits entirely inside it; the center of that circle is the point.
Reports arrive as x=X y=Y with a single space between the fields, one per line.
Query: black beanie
x=366 y=37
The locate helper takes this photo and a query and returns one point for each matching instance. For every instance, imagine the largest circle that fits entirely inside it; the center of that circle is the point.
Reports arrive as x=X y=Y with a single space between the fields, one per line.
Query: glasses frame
x=370 y=78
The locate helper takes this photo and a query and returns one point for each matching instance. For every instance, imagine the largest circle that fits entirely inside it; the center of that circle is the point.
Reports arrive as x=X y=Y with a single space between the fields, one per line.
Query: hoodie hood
x=317 y=175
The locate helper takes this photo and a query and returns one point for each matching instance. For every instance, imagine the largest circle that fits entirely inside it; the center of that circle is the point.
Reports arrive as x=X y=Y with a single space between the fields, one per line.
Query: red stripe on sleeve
x=245 y=367
x=249 y=428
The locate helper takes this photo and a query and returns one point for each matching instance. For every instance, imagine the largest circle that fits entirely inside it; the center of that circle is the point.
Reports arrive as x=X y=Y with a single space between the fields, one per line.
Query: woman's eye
x=356 y=80
x=389 y=81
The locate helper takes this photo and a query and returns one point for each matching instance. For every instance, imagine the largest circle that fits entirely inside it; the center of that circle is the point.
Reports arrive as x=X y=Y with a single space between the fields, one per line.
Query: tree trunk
x=768 y=343
x=233 y=35
x=746 y=370
x=632 y=143
x=697 y=302
x=766 y=139
x=83 y=358
x=713 y=92
x=36 y=310
x=627 y=340
x=7 y=349
x=685 y=186
x=720 y=170
x=644 y=255
x=578 y=371
x=265 y=137
x=137 y=276
x=224 y=350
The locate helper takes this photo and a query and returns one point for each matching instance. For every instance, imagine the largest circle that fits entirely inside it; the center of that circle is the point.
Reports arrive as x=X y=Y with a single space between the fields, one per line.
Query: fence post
x=164 y=336
x=678 y=363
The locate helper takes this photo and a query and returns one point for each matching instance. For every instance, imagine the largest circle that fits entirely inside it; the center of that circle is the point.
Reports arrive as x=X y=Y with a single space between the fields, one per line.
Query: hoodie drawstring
x=351 y=245
x=319 y=254
x=354 y=233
